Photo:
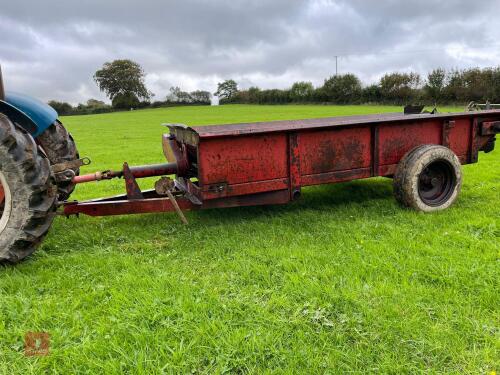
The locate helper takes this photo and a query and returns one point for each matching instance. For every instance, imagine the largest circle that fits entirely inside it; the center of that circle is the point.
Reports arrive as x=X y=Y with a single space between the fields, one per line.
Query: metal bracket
x=490 y=127
x=180 y=185
x=73 y=164
x=473 y=106
x=413 y=109
x=473 y=146
x=219 y=188
x=133 y=190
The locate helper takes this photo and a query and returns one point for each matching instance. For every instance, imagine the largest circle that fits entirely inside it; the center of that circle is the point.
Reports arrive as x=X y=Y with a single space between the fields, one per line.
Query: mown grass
x=343 y=280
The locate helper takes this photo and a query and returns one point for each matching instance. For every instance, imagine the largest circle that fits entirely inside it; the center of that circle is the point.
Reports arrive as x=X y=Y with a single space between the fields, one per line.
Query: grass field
x=341 y=281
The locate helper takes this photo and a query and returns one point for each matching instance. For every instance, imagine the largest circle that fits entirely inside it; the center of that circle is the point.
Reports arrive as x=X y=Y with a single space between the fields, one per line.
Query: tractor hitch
x=135 y=200
x=168 y=195
x=66 y=171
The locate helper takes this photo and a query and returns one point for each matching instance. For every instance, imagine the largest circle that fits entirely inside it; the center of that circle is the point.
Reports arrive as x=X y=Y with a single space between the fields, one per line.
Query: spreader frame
x=269 y=162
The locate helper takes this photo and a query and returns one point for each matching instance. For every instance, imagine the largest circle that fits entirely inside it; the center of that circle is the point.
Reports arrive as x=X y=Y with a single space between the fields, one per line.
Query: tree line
x=123 y=81
x=438 y=87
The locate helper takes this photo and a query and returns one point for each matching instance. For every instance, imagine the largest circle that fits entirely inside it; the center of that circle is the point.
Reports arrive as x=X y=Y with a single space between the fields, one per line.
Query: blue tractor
x=38 y=159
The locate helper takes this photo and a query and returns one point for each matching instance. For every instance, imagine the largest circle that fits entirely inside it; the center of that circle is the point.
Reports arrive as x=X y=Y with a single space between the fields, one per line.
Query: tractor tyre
x=60 y=147
x=428 y=178
x=27 y=193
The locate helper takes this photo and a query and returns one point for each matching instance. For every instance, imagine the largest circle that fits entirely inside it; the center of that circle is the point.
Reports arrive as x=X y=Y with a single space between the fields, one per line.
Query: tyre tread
x=60 y=147
x=33 y=184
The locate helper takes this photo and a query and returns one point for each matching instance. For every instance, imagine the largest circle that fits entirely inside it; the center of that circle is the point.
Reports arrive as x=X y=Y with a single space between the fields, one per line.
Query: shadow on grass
x=339 y=203
x=323 y=199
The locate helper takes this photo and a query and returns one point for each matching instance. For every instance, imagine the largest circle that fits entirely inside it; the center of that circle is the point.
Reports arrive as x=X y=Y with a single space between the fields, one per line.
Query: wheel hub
x=436 y=183
x=5 y=202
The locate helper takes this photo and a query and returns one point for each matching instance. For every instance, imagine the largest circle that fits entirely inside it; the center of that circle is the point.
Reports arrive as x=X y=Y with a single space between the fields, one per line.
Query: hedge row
x=440 y=86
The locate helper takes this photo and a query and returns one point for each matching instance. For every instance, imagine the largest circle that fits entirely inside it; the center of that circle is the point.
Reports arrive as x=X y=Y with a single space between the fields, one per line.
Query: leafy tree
x=126 y=100
x=94 y=103
x=478 y=84
x=174 y=93
x=455 y=89
x=91 y=106
x=343 y=89
x=253 y=95
x=473 y=84
x=274 y=96
x=241 y=97
x=123 y=79
x=201 y=97
x=301 y=91
x=400 y=88
x=494 y=95
x=185 y=97
x=436 y=82
x=372 y=94
x=62 y=108
x=226 y=90
x=178 y=96
x=319 y=95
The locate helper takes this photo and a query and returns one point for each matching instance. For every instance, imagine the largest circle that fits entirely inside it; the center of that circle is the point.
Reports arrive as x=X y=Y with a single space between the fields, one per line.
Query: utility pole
x=336 y=66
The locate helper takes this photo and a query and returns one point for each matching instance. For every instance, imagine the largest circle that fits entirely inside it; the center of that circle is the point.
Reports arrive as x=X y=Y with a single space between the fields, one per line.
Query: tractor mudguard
x=31 y=114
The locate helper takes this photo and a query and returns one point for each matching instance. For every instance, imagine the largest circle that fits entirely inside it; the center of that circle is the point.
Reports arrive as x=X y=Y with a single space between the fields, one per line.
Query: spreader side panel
x=394 y=141
x=334 y=150
x=248 y=164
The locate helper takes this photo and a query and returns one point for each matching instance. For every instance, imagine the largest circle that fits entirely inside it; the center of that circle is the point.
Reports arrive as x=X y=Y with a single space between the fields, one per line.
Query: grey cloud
x=51 y=49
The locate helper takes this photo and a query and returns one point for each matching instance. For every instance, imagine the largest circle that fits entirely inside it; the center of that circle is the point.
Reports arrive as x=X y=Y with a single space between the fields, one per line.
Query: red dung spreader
x=269 y=162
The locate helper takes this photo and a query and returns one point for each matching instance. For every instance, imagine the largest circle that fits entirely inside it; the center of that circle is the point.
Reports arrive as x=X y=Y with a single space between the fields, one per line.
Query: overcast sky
x=51 y=49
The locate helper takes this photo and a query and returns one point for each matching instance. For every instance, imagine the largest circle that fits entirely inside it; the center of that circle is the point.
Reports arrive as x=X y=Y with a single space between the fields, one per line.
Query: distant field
x=343 y=280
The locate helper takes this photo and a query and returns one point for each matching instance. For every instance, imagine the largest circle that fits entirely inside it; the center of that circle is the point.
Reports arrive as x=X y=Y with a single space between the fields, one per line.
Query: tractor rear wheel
x=27 y=193
x=60 y=147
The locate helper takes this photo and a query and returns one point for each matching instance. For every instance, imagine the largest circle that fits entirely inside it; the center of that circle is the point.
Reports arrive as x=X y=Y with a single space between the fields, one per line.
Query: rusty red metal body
x=269 y=162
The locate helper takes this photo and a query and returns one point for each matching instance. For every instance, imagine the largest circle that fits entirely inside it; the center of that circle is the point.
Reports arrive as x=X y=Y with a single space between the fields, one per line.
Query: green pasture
x=341 y=281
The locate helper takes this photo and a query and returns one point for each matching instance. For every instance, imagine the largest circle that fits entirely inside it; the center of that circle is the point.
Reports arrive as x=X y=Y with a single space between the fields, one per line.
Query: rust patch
x=394 y=149
x=326 y=156
x=352 y=154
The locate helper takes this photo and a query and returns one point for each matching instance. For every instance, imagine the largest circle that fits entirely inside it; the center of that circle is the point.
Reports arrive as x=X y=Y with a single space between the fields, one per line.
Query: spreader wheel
x=428 y=178
x=27 y=193
x=60 y=147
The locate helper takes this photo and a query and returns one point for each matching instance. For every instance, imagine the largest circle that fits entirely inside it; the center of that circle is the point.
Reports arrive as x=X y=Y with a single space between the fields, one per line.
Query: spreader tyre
x=27 y=207
x=60 y=147
x=428 y=178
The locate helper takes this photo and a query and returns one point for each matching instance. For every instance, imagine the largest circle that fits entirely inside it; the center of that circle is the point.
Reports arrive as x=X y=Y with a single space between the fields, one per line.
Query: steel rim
x=436 y=183
x=6 y=205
